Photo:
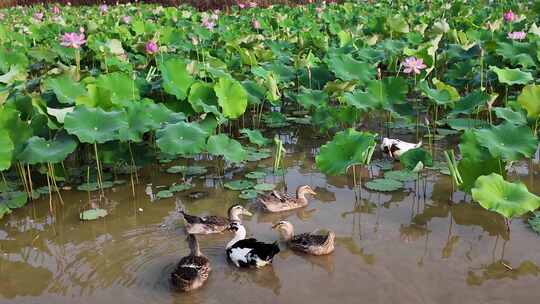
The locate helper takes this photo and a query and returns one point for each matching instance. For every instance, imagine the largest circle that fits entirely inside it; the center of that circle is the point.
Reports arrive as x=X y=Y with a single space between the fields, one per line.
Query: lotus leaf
x=94 y=186
x=181 y=138
x=187 y=170
x=122 y=88
x=164 y=194
x=255 y=137
x=534 y=222
x=512 y=76
x=264 y=187
x=38 y=150
x=508 y=141
x=65 y=88
x=96 y=97
x=6 y=150
x=312 y=98
x=347 y=148
x=138 y=121
x=384 y=185
x=18 y=131
x=529 y=100
x=416 y=159
x=93 y=214
x=232 y=97
x=201 y=94
x=176 y=79
x=94 y=125
x=347 y=68
x=441 y=97
x=4 y=209
x=470 y=103
x=256 y=175
x=180 y=187
x=257 y=155
x=238 y=185
x=508 y=199
x=14 y=199
x=229 y=148
x=513 y=117
x=247 y=194
x=401 y=175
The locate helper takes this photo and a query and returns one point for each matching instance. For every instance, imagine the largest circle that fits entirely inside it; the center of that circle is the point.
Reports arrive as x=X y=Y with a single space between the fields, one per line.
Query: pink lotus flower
x=73 y=40
x=517 y=35
x=256 y=24
x=209 y=22
x=241 y=5
x=38 y=16
x=319 y=9
x=413 y=65
x=56 y=10
x=81 y=29
x=126 y=19
x=509 y=16
x=151 y=47
x=103 y=8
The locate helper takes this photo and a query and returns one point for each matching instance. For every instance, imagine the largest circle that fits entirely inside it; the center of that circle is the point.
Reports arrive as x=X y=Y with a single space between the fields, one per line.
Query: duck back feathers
x=252 y=253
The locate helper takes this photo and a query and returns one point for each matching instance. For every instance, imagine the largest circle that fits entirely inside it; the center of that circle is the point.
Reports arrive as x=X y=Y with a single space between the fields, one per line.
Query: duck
x=278 y=202
x=193 y=270
x=310 y=243
x=213 y=224
x=395 y=147
x=249 y=253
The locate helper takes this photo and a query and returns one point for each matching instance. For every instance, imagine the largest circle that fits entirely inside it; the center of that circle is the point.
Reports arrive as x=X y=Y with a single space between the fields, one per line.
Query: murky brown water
x=391 y=248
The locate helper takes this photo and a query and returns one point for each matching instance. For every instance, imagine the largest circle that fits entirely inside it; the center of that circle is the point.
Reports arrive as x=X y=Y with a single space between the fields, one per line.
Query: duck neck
x=301 y=196
x=234 y=216
x=240 y=234
x=287 y=232
x=194 y=246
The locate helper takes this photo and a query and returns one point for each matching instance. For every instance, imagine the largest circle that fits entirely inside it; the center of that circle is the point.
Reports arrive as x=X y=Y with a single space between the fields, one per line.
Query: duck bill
x=248 y=213
x=275 y=226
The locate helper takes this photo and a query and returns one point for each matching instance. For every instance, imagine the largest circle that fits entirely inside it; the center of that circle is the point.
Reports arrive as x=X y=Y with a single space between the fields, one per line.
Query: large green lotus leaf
x=470 y=103
x=138 y=120
x=256 y=92
x=397 y=24
x=92 y=214
x=39 y=150
x=6 y=150
x=181 y=138
x=96 y=97
x=440 y=97
x=65 y=88
x=14 y=199
x=347 y=68
x=461 y=124
x=347 y=148
x=509 y=199
x=231 y=149
x=238 y=185
x=201 y=93
x=383 y=185
x=232 y=97
x=18 y=131
x=312 y=98
x=441 y=86
x=176 y=79
x=122 y=88
x=513 y=117
x=362 y=101
x=161 y=115
x=255 y=137
x=388 y=91
x=94 y=125
x=16 y=73
x=469 y=147
x=508 y=141
x=529 y=99
x=512 y=76
x=416 y=159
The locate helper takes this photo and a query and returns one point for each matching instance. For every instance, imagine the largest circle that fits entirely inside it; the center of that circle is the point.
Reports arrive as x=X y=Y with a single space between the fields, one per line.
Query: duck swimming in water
x=249 y=252
x=310 y=243
x=213 y=224
x=192 y=270
x=278 y=202
x=395 y=147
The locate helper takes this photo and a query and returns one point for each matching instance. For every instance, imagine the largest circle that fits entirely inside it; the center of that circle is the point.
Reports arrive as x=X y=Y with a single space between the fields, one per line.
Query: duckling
x=395 y=147
x=213 y=224
x=192 y=271
x=249 y=252
x=310 y=243
x=278 y=202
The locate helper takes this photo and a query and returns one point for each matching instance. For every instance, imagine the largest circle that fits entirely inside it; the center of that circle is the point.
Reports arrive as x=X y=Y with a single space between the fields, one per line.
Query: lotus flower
x=509 y=16
x=103 y=8
x=38 y=16
x=241 y=5
x=256 y=24
x=517 y=35
x=209 y=22
x=126 y=19
x=56 y=10
x=413 y=65
x=252 y=4
x=151 y=47
x=73 y=40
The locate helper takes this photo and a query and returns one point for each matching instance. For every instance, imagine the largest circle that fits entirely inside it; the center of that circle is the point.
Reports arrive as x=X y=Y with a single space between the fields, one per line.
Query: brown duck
x=193 y=270
x=213 y=224
x=277 y=202
x=310 y=243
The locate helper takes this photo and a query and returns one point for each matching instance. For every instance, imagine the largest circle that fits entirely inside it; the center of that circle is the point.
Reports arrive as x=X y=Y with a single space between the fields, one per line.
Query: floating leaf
x=509 y=199
x=164 y=194
x=512 y=76
x=401 y=175
x=176 y=79
x=256 y=175
x=239 y=185
x=248 y=194
x=180 y=187
x=93 y=214
x=14 y=199
x=347 y=148
x=94 y=125
x=255 y=137
x=384 y=185
x=94 y=186
x=508 y=141
x=414 y=158
x=181 y=139
x=232 y=97
x=264 y=187
x=187 y=170
x=231 y=149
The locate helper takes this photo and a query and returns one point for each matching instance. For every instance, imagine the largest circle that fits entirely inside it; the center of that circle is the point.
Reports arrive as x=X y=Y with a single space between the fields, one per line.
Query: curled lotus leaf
x=508 y=141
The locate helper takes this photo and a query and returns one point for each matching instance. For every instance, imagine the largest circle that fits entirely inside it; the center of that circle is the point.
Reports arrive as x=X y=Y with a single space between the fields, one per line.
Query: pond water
x=421 y=245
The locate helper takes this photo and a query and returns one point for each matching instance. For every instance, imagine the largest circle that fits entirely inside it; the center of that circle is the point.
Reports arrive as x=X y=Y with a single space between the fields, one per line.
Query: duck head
x=236 y=211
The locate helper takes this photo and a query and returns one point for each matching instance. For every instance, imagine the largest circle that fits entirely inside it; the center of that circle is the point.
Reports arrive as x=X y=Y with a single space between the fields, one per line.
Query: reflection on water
x=414 y=246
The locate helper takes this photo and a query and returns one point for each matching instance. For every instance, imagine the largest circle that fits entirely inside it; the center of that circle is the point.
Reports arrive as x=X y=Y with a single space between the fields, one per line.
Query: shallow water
x=421 y=245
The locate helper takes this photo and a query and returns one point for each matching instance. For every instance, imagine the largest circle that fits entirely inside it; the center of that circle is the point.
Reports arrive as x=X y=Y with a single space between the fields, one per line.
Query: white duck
x=395 y=147
x=249 y=252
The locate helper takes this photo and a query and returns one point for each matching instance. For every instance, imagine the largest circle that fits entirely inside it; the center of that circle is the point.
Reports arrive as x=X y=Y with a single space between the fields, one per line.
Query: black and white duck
x=213 y=224
x=310 y=243
x=249 y=252
x=192 y=270
x=395 y=147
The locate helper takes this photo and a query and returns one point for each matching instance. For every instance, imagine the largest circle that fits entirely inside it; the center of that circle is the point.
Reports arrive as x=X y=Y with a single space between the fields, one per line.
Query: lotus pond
x=112 y=117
